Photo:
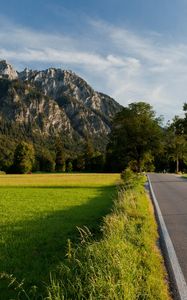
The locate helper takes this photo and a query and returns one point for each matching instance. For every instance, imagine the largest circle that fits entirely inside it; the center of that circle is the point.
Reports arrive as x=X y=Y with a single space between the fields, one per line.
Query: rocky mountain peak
x=83 y=106
x=55 y=102
x=24 y=75
x=7 y=71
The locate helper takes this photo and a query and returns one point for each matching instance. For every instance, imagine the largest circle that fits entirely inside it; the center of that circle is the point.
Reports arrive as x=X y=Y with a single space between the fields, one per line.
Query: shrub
x=127 y=175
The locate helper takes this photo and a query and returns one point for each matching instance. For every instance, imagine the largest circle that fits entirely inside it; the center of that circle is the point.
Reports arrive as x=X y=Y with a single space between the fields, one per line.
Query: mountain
x=42 y=106
x=89 y=112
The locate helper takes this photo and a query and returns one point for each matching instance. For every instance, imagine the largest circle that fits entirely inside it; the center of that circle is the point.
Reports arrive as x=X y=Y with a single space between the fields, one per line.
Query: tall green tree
x=69 y=167
x=60 y=157
x=24 y=157
x=178 y=150
x=176 y=142
x=88 y=154
x=135 y=138
x=60 y=161
x=46 y=161
x=80 y=163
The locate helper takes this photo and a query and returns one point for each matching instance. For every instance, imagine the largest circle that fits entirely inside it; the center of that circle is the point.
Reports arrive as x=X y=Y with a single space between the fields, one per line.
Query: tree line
x=141 y=142
x=138 y=140
x=28 y=159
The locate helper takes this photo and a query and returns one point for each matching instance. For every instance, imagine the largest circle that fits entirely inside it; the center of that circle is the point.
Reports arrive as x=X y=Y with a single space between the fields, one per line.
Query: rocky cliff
x=53 y=103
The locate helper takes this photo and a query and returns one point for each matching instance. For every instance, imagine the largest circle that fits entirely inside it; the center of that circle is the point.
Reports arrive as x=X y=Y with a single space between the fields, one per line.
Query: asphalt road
x=171 y=193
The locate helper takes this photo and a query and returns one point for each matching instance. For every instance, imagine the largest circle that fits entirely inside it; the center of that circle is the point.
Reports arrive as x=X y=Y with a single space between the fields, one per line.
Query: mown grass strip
x=124 y=264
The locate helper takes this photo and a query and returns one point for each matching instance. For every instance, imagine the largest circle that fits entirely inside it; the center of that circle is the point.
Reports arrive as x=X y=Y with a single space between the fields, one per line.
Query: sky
x=132 y=50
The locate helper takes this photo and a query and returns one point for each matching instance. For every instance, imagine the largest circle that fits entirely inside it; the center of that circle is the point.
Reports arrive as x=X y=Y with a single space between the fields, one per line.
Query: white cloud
x=117 y=61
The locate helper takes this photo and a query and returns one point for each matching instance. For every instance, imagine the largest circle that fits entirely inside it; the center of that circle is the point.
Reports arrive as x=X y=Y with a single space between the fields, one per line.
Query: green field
x=38 y=213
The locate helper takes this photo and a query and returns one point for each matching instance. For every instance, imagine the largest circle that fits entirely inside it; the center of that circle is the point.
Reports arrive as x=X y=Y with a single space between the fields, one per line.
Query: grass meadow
x=39 y=213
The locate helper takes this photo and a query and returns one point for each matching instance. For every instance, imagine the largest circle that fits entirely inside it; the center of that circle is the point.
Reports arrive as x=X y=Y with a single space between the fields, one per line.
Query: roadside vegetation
x=125 y=264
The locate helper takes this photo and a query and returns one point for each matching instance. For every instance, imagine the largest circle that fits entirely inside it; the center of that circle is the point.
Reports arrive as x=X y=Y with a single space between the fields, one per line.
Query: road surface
x=171 y=193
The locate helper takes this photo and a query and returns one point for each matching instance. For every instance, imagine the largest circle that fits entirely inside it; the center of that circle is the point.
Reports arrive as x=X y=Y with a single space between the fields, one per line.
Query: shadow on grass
x=34 y=248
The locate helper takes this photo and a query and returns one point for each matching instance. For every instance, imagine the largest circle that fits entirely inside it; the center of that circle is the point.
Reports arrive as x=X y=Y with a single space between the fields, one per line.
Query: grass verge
x=124 y=264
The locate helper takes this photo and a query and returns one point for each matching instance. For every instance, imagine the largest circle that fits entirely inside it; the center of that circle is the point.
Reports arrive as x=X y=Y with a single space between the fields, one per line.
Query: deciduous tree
x=24 y=157
x=135 y=138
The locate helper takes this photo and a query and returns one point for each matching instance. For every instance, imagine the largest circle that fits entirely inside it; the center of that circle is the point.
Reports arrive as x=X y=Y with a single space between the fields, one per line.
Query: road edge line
x=172 y=260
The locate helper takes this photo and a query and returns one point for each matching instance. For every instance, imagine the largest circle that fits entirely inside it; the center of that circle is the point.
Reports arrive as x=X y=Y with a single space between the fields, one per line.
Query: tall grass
x=125 y=264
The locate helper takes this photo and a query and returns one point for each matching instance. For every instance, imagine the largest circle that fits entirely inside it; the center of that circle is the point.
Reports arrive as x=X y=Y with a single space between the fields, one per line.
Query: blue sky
x=133 y=50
